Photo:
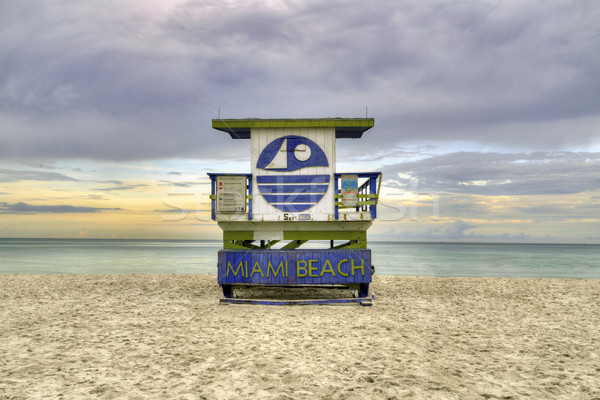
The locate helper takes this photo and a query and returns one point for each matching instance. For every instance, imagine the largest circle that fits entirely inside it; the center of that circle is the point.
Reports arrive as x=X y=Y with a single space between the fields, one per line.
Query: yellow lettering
x=256 y=268
x=298 y=269
x=230 y=267
x=327 y=269
x=361 y=267
x=339 y=267
x=275 y=271
x=286 y=268
x=312 y=269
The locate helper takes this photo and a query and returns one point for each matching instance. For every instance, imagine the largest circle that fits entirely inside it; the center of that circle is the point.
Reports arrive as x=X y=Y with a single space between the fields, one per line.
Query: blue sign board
x=294 y=267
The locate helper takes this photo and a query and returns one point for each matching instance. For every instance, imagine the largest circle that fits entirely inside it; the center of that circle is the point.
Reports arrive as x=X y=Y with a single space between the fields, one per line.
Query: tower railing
x=367 y=197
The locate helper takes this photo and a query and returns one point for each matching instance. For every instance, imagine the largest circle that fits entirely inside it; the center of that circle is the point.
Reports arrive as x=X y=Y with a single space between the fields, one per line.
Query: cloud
x=118 y=186
x=180 y=184
x=24 y=208
x=76 y=83
x=9 y=175
x=97 y=197
x=537 y=173
x=456 y=230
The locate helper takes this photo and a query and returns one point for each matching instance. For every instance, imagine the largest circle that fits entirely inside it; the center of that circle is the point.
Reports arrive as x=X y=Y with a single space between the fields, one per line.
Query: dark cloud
x=10 y=175
x=76 y=83
x=24 y=208
x=499 y=174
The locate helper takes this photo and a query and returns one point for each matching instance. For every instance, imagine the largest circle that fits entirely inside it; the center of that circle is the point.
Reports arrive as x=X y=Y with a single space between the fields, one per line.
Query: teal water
x=91 y=256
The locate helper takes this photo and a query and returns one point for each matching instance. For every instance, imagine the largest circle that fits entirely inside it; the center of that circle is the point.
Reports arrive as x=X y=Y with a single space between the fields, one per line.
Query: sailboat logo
x=291 y=192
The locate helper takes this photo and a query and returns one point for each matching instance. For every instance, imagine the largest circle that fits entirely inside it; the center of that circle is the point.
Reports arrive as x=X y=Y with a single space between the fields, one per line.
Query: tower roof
x=344 y=127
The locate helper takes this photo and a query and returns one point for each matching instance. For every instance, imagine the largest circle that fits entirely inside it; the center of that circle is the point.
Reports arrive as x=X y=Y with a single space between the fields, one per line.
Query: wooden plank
x=364 y=301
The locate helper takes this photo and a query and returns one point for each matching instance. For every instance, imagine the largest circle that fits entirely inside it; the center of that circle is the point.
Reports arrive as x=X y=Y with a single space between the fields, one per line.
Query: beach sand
x=166 y=336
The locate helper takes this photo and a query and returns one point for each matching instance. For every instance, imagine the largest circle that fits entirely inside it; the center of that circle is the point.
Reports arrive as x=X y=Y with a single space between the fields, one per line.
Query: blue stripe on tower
x=292 y=198
x=293 y=188
x=292 y=179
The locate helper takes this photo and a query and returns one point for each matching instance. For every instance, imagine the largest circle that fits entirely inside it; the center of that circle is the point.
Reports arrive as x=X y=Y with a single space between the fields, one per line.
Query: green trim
x=352 y=244
x=360 y=196
x=228 y=124
x=325 y=235
x=238 y=235
x=300 y=235
x=358 y=204
x=343 y=127
x=231 y=245
x=271 y=243
x=367 y=203
x=247 y=244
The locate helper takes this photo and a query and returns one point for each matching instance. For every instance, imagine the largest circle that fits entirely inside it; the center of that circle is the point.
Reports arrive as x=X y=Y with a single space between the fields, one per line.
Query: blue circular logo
x=286 y=191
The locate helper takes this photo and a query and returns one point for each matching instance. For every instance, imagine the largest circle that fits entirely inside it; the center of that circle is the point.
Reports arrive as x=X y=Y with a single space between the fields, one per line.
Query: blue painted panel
x=294 y=267
x=276 y=192
x=317 y=156
x=292 y=179
x=292 y=188
x=292 y=198
x=373 y=188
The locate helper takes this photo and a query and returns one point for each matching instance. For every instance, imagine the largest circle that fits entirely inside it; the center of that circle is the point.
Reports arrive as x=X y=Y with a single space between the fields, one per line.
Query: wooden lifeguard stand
x=294 y=195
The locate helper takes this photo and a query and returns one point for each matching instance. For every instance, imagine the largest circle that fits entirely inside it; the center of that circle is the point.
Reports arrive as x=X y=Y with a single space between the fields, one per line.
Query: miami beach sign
x=294 y=267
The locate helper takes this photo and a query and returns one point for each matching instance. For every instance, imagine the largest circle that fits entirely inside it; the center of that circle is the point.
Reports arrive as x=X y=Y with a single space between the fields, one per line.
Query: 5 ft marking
x=287 y=217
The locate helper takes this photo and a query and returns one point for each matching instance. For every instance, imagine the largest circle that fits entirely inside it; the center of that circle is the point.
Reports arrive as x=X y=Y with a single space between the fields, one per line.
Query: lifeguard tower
x=294 y=195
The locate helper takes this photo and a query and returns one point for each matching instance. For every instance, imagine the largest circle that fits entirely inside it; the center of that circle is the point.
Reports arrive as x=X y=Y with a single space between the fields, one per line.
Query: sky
x=487 y=113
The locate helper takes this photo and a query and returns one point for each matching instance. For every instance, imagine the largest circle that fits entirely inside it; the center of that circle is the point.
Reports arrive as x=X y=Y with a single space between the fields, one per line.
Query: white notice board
x=349 y=190
x=231 y=193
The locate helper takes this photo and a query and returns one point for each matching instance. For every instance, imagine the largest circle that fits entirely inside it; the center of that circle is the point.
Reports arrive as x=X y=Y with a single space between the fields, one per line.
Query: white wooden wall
x=325 y=138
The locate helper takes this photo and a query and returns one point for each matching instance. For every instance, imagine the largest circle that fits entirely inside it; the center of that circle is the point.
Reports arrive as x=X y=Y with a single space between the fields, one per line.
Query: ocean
x=97 y=256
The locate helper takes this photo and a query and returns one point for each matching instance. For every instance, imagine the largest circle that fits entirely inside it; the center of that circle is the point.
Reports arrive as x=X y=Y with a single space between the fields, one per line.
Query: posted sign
x=231 y=193
x=349 y=190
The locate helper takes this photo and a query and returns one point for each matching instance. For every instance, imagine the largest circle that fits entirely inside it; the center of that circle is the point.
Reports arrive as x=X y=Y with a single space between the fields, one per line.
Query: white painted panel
x=324 y=138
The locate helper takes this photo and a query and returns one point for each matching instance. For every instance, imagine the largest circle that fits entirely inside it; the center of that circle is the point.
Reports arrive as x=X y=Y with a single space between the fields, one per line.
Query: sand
x=166 y=336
